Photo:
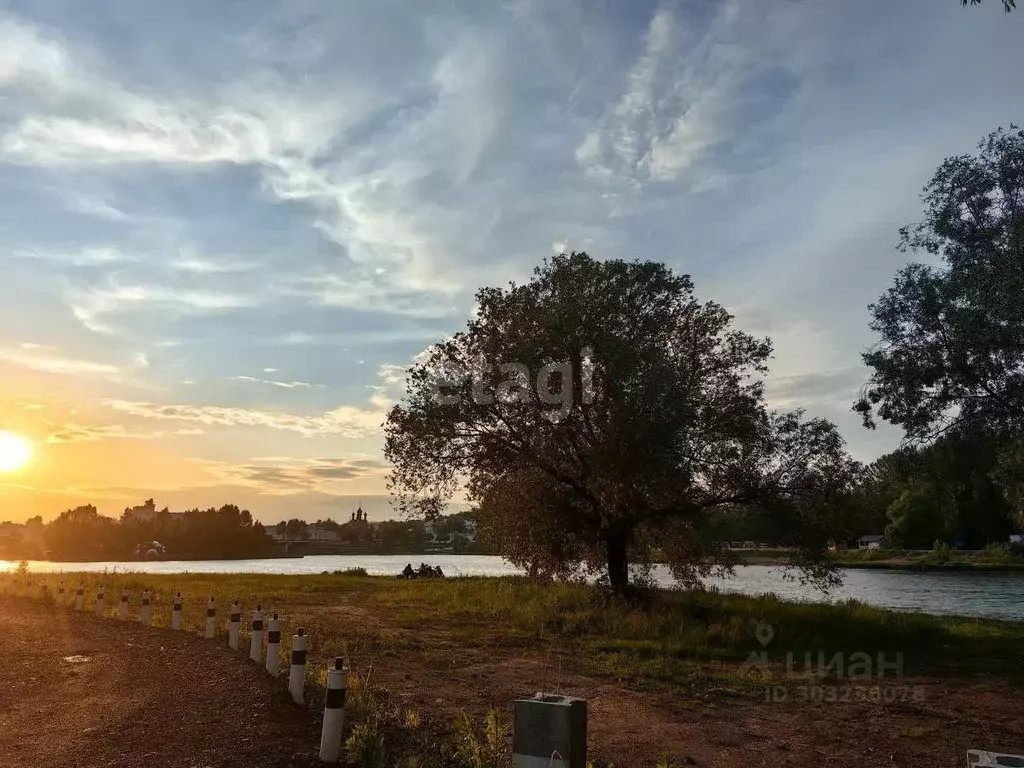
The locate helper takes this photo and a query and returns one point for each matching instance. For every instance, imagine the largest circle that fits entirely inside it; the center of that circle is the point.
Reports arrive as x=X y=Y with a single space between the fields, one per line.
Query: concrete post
x=176 y=612
x=334 y=712
x=211 y=618
x=273 y=645
x=234 y=622
x=61 y=593
x=122 y=608
x=99 y=600
x=144 y=608
x=297 y=671
x=80 y=598
x=256 y=641
x=550 y=731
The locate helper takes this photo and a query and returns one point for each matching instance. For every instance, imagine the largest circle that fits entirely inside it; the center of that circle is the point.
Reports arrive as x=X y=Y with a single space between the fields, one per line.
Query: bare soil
x=144 y=697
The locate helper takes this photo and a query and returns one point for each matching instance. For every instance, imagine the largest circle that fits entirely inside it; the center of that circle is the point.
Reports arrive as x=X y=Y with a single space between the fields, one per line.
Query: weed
x=482 y=747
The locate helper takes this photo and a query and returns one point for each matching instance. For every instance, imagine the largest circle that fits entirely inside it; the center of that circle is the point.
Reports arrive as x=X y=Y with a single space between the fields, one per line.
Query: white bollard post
x=144 y=607
x=234 y=623
x=80 y=598
x=256 y=642
x=176 y=612
x=211 y=618
x=334 y=712
x=122 y=609
x=61 y=593
x=99 y=600
x=273 y=644
x=297 y=673
x=550 y=730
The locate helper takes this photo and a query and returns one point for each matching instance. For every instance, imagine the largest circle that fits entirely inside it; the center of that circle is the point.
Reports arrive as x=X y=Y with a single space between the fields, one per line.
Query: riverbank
x=669 y=675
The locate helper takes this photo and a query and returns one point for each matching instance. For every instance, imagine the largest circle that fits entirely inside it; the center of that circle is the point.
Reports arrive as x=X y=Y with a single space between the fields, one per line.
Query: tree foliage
x=647 y=415
x=951 y=354
x=1008 y=5
x=84 y=534
x=949 y=490
x=952 y=333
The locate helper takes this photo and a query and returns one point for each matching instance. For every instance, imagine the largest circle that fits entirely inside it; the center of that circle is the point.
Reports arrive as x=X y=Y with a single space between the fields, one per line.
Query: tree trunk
x=618 y=560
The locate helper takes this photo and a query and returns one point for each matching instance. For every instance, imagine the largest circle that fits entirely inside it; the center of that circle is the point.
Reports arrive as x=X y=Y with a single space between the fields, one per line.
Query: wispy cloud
x=273 y=383
x=347 y=421
x=77 y=433
x=284 y=475
x=98 y=307
x=676 y=103
x=43 y=359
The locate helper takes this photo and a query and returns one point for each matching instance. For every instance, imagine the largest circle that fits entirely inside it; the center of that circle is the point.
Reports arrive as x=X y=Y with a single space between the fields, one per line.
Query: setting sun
x=15 y=451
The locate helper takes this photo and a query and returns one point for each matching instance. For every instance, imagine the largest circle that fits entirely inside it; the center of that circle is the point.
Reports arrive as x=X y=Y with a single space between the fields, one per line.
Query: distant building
x=275 y=534
x=871 y=541
x=321 y=533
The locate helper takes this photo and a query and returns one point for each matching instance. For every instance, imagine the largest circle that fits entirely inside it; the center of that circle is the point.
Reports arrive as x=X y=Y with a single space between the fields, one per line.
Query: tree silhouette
x=647 y=415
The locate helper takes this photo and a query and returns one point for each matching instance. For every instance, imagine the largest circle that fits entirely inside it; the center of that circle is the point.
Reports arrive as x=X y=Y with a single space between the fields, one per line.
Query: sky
x=227 y=228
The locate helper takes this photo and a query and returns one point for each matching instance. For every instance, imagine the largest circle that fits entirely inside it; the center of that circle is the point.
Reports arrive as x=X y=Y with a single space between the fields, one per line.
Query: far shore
x=923 y=560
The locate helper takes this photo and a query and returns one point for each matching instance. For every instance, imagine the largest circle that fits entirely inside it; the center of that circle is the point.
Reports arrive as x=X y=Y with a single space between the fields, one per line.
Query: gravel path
x=138 y=696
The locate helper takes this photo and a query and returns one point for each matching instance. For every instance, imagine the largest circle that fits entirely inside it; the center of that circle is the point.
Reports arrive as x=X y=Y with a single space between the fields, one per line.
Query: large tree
x=952 y=330
x=647 y=415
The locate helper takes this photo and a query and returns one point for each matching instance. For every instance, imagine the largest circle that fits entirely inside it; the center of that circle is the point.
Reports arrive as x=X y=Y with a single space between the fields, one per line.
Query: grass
x=645 y=640
x=693 y=643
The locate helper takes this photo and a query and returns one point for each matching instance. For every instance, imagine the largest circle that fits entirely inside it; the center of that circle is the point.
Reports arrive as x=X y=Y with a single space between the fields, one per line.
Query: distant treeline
x=452 y=532
x=144 y=531
x=956 y=491
x=84 y=534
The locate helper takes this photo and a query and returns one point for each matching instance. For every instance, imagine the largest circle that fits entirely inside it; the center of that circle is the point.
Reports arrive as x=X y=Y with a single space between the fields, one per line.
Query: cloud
x=283 y=475
x=97 y=306
x=674 y=105
x=191 y=262
x=282 y=384
x=77 y=433
x=810 y=389
x=38 y=358
x=347 y=420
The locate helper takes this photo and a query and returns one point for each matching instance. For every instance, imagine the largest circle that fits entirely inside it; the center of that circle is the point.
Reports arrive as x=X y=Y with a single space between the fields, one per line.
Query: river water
x=970 y=593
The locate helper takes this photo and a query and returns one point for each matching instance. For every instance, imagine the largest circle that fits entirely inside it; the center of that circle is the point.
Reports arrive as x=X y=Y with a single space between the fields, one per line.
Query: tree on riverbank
x=950 y=359
x=647 y=415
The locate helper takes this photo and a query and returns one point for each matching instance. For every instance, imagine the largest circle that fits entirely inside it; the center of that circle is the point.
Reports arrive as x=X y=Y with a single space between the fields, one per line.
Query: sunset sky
x=226 y=228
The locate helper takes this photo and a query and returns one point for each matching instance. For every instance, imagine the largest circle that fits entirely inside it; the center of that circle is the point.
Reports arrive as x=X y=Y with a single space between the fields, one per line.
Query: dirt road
x=136 y=696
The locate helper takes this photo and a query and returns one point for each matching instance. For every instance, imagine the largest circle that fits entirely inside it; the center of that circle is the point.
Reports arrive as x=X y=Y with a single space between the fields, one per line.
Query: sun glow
x=15 y=451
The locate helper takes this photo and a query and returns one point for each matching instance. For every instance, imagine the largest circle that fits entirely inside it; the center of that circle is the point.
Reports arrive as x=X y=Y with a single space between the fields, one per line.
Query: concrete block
x=979 y=758
x=550 y=731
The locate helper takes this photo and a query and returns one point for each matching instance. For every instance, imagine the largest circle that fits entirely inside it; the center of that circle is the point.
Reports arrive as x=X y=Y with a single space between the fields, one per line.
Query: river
x=997 y=595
